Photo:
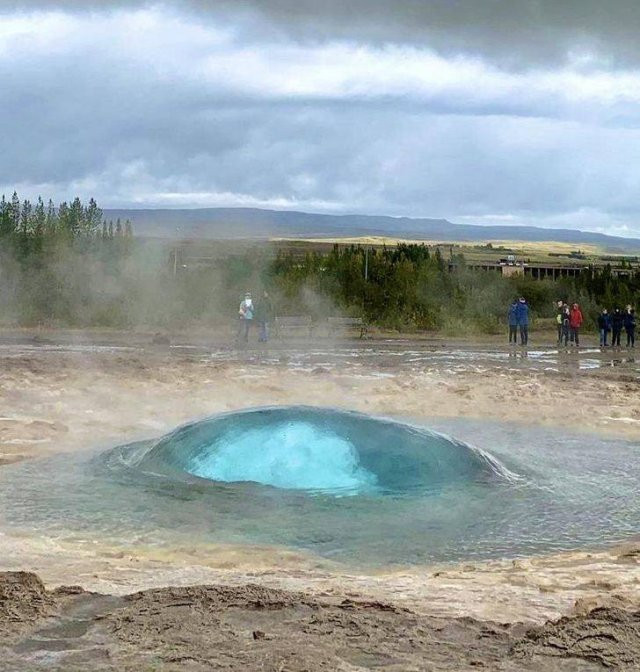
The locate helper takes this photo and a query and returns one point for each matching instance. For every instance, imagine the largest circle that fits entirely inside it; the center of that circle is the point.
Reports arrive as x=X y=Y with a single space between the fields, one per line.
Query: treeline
x=66 y=266
x=61 y=265
x=410 y=286
x=608 y=290
x=27 y=228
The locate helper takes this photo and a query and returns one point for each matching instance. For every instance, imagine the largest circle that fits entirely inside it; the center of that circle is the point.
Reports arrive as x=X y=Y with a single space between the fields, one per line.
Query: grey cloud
x=515 y=32
x=95 y=124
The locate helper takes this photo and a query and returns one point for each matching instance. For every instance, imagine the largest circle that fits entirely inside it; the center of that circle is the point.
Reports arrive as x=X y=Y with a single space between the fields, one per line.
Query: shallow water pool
x=362 y=490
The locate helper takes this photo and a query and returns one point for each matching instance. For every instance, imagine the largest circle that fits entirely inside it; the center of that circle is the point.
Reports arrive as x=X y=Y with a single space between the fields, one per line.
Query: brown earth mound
x=23 y=601
x=609 y=636
x=256 y=628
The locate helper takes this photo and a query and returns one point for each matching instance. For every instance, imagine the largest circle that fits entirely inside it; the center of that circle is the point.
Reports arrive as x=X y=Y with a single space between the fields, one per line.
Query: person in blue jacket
x=522 y=317
x=512 y=317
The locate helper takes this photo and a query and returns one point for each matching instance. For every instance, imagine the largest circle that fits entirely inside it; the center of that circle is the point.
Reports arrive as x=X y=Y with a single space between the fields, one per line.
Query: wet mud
x=255 y=628
x=273 y=608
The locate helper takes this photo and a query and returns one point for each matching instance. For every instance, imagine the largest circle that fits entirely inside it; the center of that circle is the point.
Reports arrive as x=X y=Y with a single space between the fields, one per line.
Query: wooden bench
x=345 y=324
x=292 y=323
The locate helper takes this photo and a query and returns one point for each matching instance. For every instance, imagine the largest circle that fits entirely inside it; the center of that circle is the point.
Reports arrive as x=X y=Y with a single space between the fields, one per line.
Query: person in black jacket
x=617 y=320
x=630 y=327
x=264 y=316
x=565 y=324
x=604 y=327
x=559 y=314
x=512 y=318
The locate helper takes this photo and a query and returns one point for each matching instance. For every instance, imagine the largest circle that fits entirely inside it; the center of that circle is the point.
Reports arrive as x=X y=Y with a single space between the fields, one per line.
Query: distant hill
x=225 y=223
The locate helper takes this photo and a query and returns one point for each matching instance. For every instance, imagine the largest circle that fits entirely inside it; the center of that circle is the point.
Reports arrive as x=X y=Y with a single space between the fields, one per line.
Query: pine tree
x=64 y=225
x=77 y=225
x=14 y=211
x=25 y=218
x=51 y=220
x=39 y=219
x=6 y=221
x=92 y=218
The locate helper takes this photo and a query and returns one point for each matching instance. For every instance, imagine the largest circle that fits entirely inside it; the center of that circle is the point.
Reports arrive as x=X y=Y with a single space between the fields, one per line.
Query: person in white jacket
x=245 y=313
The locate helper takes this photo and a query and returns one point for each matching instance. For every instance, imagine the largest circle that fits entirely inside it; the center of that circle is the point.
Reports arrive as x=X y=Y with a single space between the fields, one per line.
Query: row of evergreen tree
x=412 y=286
x=25 y=224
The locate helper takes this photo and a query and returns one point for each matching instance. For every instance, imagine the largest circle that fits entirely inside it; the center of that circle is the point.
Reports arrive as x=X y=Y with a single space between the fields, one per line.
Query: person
x=522 y=317
x=617 y=320
x=245 y=313
x=575 y=322
x=559 y=312
x=264 y=316
x=630 y=327
x=512 y=317
x=565 y=324
x=604 y=327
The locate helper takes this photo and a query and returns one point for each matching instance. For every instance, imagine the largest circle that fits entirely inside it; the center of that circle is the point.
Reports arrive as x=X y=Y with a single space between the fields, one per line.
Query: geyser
x=293 y=455
x=345 y=486
x=328 y=451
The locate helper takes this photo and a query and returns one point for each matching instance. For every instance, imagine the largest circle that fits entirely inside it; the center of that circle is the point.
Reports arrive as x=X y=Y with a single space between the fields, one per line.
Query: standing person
x=522 y=316
x=630 y=327
x=617 y=320
x=604 y=327
x=575 y=322
x=559 y=312
x=245 y=313
x=264 y=316
x=512 y=317
x=565 y=324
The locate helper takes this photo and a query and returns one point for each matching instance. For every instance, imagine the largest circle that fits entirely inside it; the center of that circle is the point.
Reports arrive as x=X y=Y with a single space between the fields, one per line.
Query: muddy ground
x=257 y=628
x=62 y=391
x=69 y=391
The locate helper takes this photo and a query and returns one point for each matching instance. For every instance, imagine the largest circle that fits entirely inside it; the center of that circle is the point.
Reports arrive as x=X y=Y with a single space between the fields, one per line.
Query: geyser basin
x=345 y=486
x=316 y=450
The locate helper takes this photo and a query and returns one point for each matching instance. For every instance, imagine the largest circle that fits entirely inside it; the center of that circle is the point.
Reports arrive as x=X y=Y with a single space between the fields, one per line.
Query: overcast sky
x=480 y=111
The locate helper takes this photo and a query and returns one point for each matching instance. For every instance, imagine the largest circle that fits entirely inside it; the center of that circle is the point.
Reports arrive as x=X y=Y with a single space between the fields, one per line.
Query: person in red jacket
x=575 y=322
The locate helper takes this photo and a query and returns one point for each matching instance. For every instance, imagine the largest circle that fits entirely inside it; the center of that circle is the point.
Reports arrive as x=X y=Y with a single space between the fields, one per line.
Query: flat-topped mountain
x=225 y=223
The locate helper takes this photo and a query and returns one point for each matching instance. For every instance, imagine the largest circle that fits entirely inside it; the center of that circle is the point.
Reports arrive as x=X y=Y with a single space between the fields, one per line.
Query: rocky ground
x=256 y=628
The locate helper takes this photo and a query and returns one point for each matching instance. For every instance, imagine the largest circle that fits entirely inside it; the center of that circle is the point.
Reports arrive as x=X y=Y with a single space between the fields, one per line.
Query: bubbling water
x=357 y=489
x=311 y=449
x=291 y=455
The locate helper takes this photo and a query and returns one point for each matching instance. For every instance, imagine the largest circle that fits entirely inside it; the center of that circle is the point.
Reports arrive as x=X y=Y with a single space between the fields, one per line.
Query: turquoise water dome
x=317 y=450
x=361 y=490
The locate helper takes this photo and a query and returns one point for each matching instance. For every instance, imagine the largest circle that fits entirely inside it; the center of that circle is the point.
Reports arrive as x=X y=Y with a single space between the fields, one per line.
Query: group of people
x=569 y=321
x=615 y=322
x=261 y=312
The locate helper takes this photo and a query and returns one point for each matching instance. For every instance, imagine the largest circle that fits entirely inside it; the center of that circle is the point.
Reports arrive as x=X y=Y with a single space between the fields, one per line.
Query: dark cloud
x=516 y=32
x=238 y=104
